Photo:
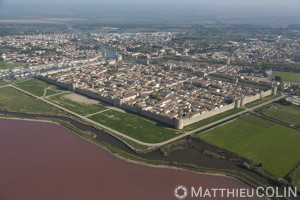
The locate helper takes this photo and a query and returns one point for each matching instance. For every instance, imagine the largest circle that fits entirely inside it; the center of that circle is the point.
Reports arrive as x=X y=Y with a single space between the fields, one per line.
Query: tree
x=12 y=77
x=155 y=96
x=284 y=102
x=278 y=78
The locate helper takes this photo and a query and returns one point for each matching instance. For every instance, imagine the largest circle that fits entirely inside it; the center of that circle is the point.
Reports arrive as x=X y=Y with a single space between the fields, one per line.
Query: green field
x=290 y=77
x=288 y=114
x=212 y=119
x=260 y=101
x=16 y=101
x=77 y=107
x=132 y=125
x=10 y=65
x=38 y=87
x=275 y=146
x=2 y=83
x=135 y=126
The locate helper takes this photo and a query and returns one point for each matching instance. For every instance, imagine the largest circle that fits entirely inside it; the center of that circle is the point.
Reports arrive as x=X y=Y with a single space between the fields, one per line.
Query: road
x=151 y=145
x=83 y=118
x=218 y=122
x=4 y=86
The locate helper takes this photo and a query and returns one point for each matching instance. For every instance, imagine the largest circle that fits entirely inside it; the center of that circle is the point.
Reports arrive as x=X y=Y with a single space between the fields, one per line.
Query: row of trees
x=284 y=67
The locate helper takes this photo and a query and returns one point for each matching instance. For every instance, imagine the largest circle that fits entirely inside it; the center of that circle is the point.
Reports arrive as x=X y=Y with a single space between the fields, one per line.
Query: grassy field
x=38 y=87
x=260 y=101
x=16 y=101
x=135 y=126
x=10 y=65
x=287 y=114
x=2 y=83
x=77 y=107
x=275 y=146
x=211 y=119
x=290 y=77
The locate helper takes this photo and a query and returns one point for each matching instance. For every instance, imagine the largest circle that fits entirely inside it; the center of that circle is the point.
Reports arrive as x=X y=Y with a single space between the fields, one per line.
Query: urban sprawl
x=153 y=75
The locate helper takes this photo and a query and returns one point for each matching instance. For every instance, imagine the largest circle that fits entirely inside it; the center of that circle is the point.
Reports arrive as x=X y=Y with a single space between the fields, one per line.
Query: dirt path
x=97 y=113
x=45 y=90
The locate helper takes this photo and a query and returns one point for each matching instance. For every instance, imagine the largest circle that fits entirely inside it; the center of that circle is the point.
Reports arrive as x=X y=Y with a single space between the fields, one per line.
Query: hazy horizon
x=272 y=3
x=230 y=9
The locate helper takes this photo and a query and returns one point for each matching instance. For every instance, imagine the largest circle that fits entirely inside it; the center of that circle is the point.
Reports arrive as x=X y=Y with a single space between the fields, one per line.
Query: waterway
x=185 y=156
x=109 y=53
x=41 y=160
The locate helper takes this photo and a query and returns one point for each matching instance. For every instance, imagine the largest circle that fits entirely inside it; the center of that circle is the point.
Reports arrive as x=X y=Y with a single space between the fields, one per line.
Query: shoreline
x=150 y=158
x=143 y=162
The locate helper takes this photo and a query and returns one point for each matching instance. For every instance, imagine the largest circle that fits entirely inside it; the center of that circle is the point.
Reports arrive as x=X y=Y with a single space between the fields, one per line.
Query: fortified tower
x=236 y=80
x=179 y=123
x=261 y=94
x=117 y=102
x=148 y=60
x=119 y=58
x=73 y=86
x=274 y=90
x=237 y=103
x=242 y=101
x=37 y=73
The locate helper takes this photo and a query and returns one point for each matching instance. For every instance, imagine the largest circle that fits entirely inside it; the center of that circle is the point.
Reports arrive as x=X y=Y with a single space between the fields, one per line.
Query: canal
x=109 y=53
